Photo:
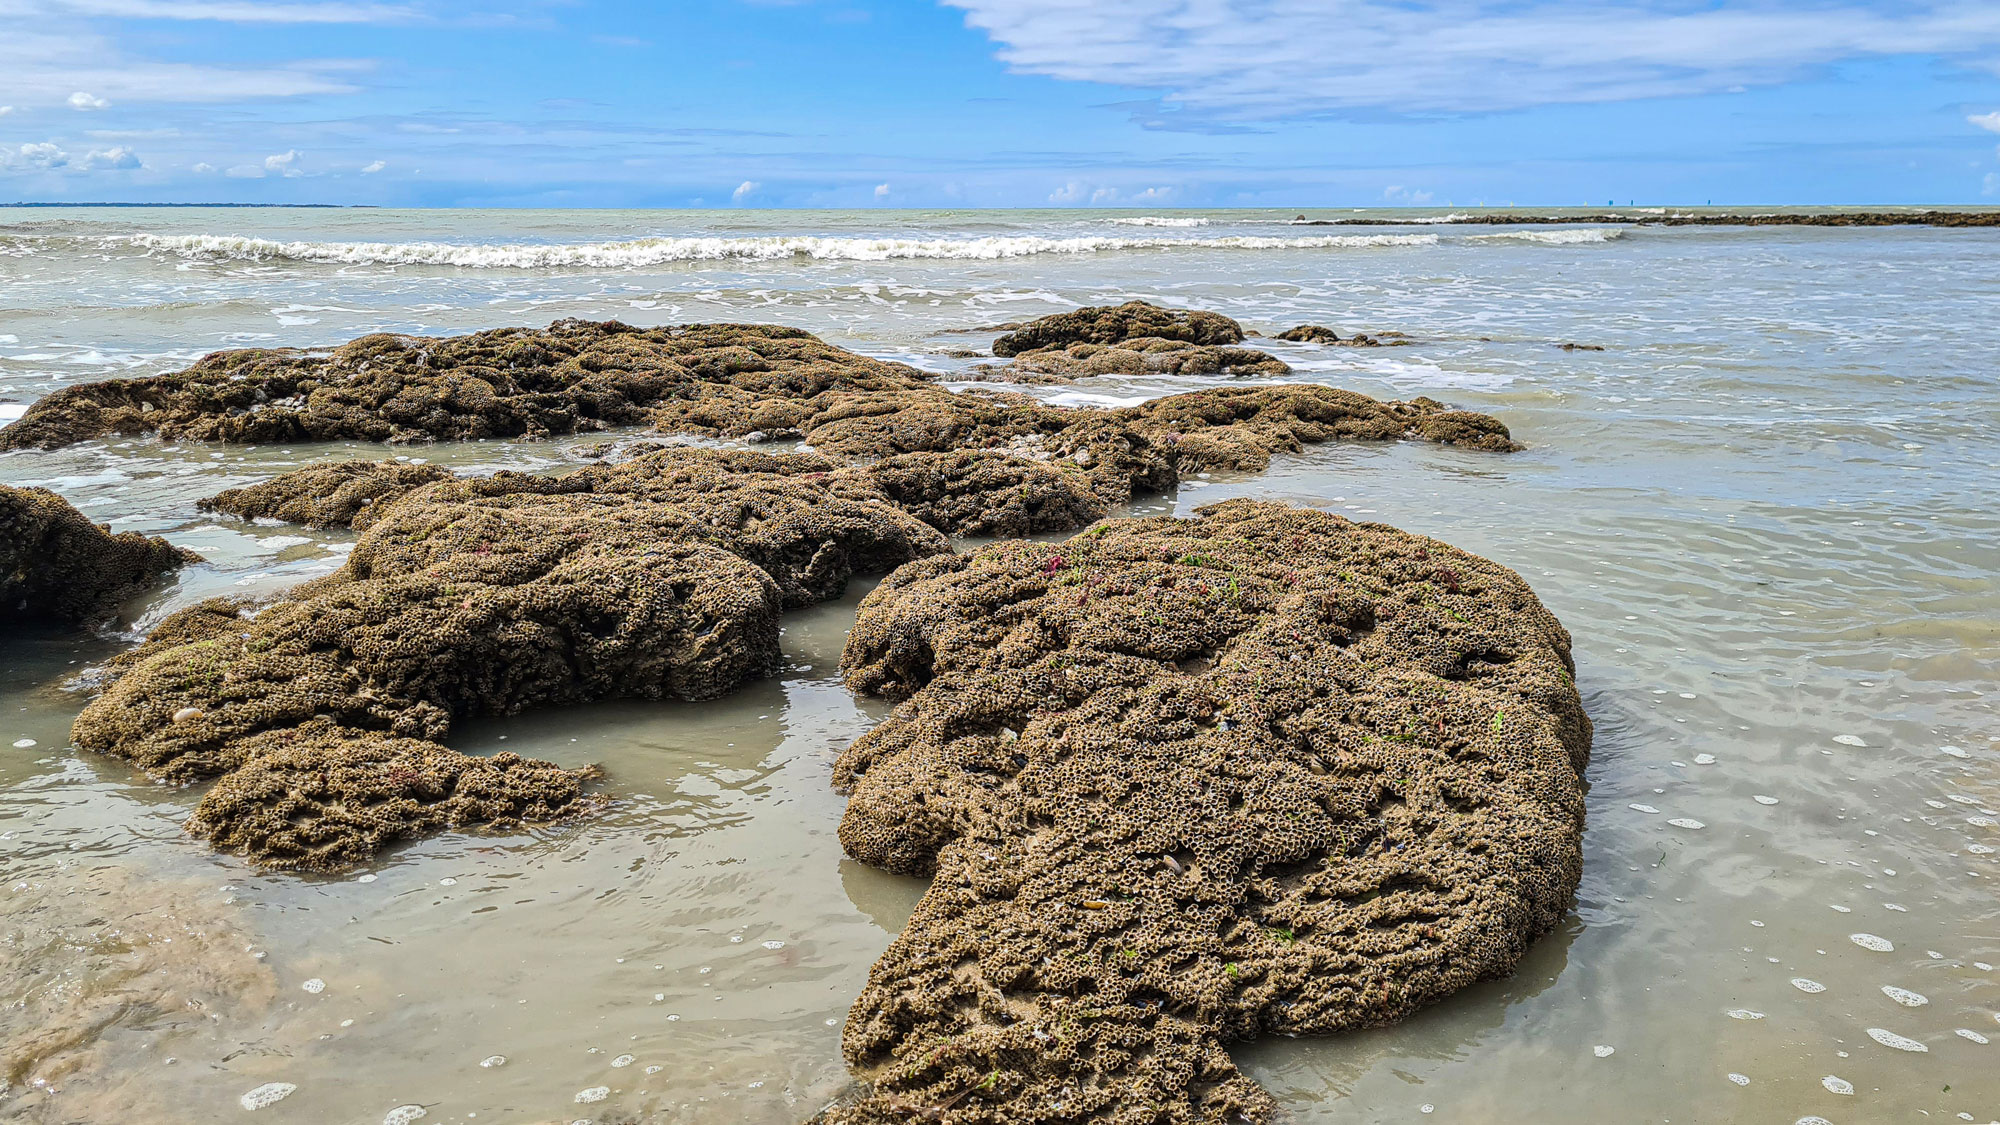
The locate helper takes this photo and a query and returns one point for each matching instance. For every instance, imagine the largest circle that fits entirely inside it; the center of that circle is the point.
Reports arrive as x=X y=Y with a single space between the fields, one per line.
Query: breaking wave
x=1570 y=237
x=1158 y=221
x=660 y=251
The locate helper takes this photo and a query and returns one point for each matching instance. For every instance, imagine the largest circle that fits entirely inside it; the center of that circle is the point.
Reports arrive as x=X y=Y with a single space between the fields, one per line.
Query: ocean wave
x=1157 y=221
x=661 y=251
x=1569 y=237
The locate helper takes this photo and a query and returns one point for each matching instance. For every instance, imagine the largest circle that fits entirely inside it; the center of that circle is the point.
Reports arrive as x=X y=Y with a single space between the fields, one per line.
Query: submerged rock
x=1135 y=338
x=1181 y=782
x=56 y=565
x=662 y=577
x=1320 y=334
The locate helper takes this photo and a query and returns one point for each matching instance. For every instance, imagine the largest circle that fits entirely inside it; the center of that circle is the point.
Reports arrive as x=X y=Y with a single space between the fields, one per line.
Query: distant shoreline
x=1726 y=219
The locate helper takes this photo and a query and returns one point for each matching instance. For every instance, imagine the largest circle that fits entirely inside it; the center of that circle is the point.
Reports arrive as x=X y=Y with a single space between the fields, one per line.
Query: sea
x=1765 y=509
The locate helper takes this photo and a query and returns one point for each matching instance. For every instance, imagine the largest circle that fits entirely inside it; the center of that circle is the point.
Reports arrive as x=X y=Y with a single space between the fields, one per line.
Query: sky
x=999 y=103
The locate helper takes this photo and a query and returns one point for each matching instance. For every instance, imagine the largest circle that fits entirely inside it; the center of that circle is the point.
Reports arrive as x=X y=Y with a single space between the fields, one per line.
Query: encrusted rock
x=576 y=376
x=1114 y=324
x=342 y=494
x=1182 y=782
x=1310 y=334
x=56 y=565
x=661 y=577
x=318 y=797
x=986 y=493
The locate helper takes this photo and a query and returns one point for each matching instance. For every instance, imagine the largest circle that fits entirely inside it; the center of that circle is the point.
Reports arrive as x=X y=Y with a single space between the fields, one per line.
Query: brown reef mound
x=661 y=577
x=577 y=376
x=1321 y=334
x=56 y=565
x=1116 y=324
x=1185 y=781
x=335 y=495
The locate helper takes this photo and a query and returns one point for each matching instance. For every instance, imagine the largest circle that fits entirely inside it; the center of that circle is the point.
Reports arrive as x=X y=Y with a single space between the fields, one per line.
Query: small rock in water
x=1835 y=1084
x=404 y=1114
x=1603 y=1051
x=594 y=1094
x=1905 y=997
x=1870 y=941
x=23 y=743
x=314 y=985
x=270 y=1093
x=1891 y=1039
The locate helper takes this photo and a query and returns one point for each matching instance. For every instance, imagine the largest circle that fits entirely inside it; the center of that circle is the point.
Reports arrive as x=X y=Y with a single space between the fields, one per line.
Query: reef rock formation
x=1130 y=339
x=1116 y=324
x=1185 y=781
x=336 y=495
x=575 y=377
x=56 y=565
x=1320 y=334
x=661 y=577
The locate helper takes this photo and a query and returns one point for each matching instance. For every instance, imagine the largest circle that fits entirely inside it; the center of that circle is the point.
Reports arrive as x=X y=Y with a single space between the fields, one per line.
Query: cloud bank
x=1267 y=59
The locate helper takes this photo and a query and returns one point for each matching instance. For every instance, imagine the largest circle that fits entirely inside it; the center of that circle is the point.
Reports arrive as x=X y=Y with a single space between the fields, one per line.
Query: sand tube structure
x=1184 y=781
x=57 y=566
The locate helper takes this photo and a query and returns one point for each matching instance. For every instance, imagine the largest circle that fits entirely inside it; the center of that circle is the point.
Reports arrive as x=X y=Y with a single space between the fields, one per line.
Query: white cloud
x=881 y=191
x=245 y=172
x=743 y=190
x=121 y=158
x=203 y=167
x=5 y=110
x=1397 y=193
x=371 y=169
x=46 y=62
x=1269 y=59
x=1987 y=121
x=285 y=163
x=82 y=100
x=220 y=11
x=43 y=157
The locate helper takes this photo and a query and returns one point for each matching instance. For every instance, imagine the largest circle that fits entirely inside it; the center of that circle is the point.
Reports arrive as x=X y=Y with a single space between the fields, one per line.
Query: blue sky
x=908 y=103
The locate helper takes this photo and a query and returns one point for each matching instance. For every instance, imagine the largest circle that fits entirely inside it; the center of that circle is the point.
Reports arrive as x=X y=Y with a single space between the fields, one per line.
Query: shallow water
x=1764 y=511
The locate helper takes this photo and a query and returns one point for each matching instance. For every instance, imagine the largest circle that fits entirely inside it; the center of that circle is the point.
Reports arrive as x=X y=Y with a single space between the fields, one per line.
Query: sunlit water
x=1765 y=511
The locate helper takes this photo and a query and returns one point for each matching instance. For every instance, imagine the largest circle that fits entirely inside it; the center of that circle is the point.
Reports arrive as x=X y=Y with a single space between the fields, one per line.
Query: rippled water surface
x=1765 y=510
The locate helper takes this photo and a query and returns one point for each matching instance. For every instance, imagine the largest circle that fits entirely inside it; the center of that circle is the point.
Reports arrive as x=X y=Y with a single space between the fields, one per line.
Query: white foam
x=1968 y=1033
x=9 y=411
x=314 y=986
x=1744 y=1014
x=1891 y=1039
x=1686 y=822
x=404 y=1114
x=1158 y=221
x=1554 y=237
x=270 y=1093
x=1835 y=1084
x=622 y=1061
x=1850 y=740
x=661 y=251
x=492 y=1061
x=1740 y=1079
x=1905 y=997
x=1871 y=941
x=1806 y=985
x=1603 y=1051
x=594 y=1094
